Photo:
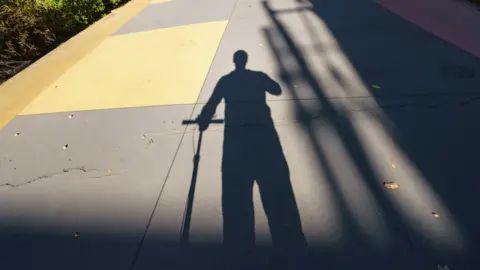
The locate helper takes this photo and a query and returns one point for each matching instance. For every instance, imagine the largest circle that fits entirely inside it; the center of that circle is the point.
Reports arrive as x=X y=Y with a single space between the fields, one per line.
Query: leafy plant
x=30 y=28
x=72 y=15
x=24 y=34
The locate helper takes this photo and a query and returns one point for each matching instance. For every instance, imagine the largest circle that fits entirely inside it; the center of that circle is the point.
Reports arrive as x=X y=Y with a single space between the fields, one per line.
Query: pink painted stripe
x=452 y=20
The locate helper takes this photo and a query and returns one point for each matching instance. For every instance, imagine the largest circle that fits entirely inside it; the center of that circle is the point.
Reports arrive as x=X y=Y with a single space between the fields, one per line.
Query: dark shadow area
x=434 y=118
x=252 y=153
x=440 y=137
x=27 y=248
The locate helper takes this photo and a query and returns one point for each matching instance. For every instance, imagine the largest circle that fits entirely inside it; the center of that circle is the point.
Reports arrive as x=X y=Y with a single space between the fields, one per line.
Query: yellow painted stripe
x=159 y=67
x=19 y=91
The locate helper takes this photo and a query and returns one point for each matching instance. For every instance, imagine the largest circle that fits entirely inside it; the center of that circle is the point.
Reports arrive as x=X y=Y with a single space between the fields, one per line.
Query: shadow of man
x=252 y=152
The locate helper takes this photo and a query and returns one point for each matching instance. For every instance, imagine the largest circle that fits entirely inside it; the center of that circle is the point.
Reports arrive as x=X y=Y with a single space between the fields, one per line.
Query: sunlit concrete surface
x=159 y=1
x=164 y=14
x=366 y=98
x=104 y=185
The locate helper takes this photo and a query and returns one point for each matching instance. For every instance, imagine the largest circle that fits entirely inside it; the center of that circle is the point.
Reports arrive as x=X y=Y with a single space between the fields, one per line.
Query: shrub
x=72 y=15
x=113 y=3
x=30 y=28
x=24 y=34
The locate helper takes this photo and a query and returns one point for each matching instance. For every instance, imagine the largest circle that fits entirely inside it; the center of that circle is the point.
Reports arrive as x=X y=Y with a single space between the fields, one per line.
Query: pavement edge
x=19 y=91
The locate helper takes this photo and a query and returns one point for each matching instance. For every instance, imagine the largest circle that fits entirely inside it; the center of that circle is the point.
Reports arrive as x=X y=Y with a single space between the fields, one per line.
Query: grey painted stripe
x=177 y=13
x=86 y=134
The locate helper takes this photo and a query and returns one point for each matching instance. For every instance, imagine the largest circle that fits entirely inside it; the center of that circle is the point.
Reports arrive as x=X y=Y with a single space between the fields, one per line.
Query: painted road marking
x=18 y=92
x=160 y=67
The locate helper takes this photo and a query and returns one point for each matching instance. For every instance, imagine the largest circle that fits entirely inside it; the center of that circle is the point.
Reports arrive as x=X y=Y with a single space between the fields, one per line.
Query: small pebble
x=65 y=146
x=16 y=134
x=442 y=267
x=70 y=116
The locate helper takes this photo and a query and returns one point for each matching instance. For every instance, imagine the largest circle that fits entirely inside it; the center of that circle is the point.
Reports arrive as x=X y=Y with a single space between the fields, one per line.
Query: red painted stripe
x=452 y=20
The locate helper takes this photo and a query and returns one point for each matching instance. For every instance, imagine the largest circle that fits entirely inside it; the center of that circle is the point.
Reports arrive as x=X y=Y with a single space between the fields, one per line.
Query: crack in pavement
x=356 y=108
x=48 y=176
x=109 y=174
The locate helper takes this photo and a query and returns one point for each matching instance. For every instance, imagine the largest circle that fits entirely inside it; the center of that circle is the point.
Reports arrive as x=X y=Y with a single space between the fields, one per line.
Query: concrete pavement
x=367 y=98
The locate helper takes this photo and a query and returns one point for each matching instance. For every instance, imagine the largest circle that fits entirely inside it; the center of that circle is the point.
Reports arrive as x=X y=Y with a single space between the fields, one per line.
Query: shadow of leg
x=238 y=218
x=273 y=178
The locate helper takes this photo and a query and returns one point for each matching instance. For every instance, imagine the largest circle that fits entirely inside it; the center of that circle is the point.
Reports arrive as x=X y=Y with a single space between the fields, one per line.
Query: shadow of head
x=240 y=58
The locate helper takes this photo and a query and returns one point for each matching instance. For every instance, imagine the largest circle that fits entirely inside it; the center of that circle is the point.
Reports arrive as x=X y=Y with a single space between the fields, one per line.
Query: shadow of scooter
x=187 y=216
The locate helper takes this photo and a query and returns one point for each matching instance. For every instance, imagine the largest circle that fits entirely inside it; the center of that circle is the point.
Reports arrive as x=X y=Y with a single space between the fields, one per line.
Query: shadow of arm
x=271 y=86
x=210 y=107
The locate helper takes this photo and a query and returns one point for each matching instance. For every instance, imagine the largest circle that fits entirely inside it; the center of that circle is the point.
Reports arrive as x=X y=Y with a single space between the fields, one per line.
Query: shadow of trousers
x=255 y=154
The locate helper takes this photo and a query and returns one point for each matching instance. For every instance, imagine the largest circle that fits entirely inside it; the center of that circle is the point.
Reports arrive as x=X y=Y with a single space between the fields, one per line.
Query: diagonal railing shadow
x=408 y=241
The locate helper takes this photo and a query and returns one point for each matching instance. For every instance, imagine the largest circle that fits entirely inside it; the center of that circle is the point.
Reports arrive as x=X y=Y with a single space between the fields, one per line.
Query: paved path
x=365 y=97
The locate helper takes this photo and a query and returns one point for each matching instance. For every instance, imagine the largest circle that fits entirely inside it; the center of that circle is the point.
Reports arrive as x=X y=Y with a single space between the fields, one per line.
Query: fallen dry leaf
x=391 y=185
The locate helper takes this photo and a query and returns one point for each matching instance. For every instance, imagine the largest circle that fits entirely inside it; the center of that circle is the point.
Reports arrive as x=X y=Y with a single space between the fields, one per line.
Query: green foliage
x=72 y=15
x=113 y=3
x=24 y=34
x=29 y=28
